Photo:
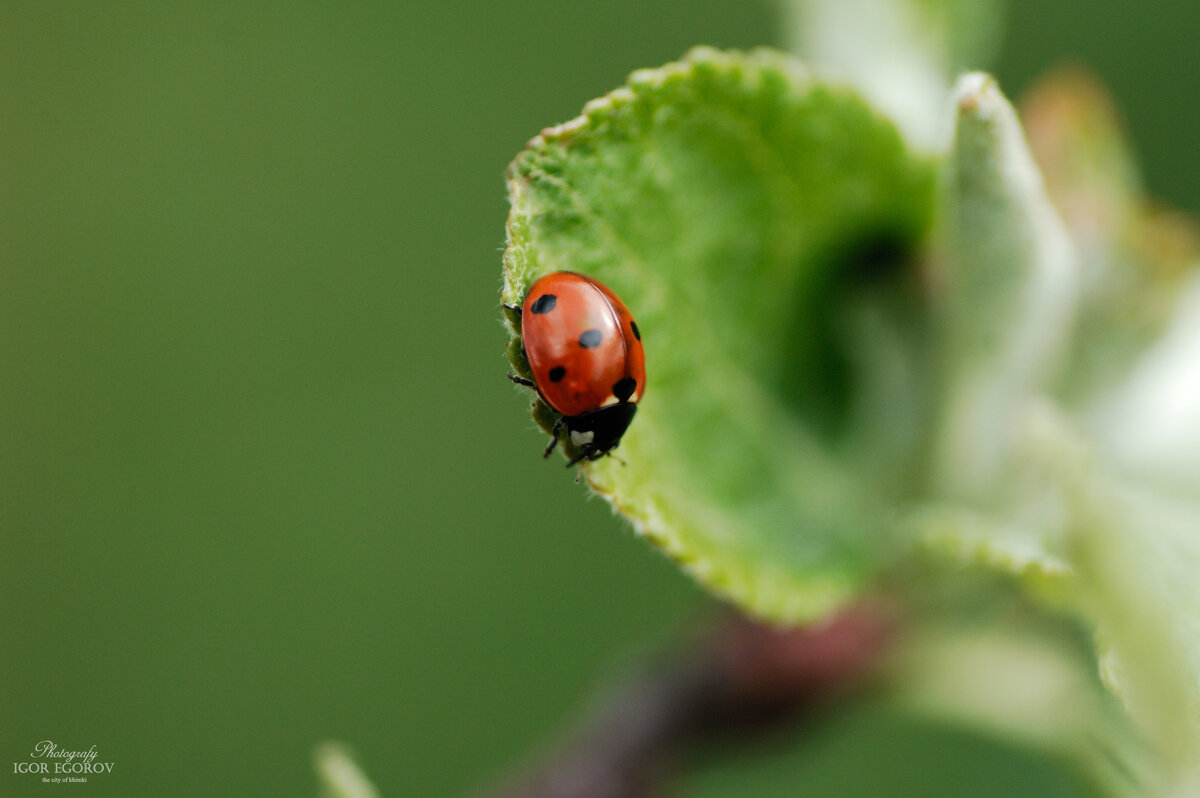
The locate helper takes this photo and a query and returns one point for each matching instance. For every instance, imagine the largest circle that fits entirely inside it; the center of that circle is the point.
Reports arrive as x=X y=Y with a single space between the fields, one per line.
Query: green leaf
x=759 y=223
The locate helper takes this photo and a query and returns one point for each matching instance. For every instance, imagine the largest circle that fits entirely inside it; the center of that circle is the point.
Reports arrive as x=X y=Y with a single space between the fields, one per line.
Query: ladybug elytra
x=585 y=354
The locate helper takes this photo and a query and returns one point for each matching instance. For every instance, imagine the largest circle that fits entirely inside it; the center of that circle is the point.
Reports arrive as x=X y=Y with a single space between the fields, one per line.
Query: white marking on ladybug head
x=580 y=438
x=611 y=400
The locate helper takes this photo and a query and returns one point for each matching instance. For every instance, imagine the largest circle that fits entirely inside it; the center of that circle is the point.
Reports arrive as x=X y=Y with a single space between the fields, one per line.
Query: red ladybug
x=585 y=354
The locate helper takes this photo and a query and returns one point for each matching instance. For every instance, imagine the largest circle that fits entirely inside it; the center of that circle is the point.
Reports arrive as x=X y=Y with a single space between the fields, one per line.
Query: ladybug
x=585 y=354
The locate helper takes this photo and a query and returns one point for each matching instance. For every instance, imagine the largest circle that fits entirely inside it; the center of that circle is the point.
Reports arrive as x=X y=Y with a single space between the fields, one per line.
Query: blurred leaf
x=1028 y=687
x=755 y=220
x=1011 y=286
x=1082 y=481
x=1138 y=554
x=1134 y=256
x=1080 y=147
x=1134 y=359
x=339 y=775
x=903 y=54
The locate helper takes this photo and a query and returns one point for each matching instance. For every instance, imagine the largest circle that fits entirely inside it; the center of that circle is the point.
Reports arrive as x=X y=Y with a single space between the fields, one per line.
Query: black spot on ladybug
x=543 y=304
x=636 y=332
x=624 y=388
x=590 y=339
x=557 y=373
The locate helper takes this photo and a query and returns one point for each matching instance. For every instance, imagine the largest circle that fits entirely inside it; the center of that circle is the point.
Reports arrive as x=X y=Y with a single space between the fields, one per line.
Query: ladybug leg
x=520 y=380
x=558 y=425
x=585 y=453
x=514 y=308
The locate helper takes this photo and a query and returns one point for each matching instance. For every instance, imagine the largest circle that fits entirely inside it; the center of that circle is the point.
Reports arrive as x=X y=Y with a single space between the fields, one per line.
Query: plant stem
x=742 y=677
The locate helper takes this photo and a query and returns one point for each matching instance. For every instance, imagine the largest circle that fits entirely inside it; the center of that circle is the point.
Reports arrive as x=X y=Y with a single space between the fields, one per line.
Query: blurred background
x=262 y=480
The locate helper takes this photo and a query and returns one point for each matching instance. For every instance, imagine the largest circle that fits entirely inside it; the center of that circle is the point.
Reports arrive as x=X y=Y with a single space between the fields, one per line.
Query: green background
x=262 y=480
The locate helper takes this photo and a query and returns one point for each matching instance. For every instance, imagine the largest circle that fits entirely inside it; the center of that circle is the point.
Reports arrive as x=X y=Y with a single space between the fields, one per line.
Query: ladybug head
x=598 y=432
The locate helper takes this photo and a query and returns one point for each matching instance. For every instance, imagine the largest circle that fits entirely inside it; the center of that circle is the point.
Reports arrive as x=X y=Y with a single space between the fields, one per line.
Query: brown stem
x=741 y=677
